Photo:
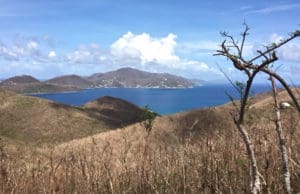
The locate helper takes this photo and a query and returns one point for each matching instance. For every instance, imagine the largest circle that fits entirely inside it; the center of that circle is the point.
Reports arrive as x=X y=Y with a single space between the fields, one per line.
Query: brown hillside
x=70 y=80
x=38 y=121
x=118 y=111
x=201 y=147
x=199 y=151
x=23 y=79
x=29 y=84
x=197 y=123
x=35 y=120
x=129 y=77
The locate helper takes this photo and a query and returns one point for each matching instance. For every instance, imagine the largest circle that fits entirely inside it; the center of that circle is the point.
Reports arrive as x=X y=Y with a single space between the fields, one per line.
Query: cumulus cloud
x=141 y=51
x=148 y=49
x=7 y=54
x=26 y=55
x=21 y=51
x=92 y=57
x=158 y=54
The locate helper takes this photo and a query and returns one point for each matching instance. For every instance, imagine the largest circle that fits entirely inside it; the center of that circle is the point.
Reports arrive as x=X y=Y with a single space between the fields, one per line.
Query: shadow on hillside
x=111 y=117
x=115 y=118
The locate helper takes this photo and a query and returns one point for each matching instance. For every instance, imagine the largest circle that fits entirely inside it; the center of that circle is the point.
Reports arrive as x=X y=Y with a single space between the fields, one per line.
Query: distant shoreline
x=58 y=92
x=74 y=91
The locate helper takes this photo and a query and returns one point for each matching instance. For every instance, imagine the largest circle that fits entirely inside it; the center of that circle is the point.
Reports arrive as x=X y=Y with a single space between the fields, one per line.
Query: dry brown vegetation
x=194 y=152
x=36 y=121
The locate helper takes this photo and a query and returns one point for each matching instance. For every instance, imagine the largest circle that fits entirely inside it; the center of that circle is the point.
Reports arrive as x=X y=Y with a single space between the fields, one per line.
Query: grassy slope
x=38 y=121
x=118 y=112
x=194 y=152
x=203 y=142
x=35 y=120
x=194 y=124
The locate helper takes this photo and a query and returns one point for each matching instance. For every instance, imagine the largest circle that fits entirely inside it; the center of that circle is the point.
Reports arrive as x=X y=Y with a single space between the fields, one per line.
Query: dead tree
x=282 y=141
x=233 y=50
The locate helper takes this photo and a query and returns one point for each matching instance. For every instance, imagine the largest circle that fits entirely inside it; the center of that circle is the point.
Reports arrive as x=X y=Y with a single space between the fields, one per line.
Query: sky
x=47 y=38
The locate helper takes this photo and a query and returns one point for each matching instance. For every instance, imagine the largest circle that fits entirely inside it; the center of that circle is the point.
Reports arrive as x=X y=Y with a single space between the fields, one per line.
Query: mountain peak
x=70 y=80
x=134 y=78
x=20 y=79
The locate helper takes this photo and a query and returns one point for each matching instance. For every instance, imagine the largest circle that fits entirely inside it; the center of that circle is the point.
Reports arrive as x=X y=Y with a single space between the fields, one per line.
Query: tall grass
x=211 y=163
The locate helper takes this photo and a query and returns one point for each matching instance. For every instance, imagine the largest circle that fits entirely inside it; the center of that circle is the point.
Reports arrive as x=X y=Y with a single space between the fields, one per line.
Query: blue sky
x=50 y=38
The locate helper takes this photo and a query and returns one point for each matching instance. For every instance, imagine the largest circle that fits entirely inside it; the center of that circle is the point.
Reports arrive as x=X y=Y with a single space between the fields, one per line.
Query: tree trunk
x=255 y=181
x=282 y=141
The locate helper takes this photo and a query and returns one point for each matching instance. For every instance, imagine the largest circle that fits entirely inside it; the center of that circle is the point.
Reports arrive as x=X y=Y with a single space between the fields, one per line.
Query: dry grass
x=194 y=152
x=129 y=161
x=38 y=121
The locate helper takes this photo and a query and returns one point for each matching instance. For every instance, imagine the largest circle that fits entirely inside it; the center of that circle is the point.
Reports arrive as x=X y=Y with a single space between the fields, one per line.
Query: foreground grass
x=195 y=152
x=129 y=161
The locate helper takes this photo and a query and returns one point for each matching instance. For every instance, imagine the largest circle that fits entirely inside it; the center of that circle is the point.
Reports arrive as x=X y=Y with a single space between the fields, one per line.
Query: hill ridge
x=35 y=120
x=126 y=77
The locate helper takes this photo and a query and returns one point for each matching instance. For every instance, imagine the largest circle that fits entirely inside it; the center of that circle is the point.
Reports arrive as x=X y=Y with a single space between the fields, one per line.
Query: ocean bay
x=163 y=101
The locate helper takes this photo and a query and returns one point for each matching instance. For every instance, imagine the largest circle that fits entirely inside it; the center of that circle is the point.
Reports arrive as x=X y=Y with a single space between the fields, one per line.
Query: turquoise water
x=163 y=101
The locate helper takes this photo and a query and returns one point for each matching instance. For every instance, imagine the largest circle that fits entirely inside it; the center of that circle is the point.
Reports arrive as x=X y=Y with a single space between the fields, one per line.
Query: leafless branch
x=251 y=70
x=244 y=35
x=276 y=46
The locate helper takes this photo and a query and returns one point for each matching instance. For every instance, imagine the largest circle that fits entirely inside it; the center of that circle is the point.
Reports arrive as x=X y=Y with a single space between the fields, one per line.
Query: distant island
x=121 y=78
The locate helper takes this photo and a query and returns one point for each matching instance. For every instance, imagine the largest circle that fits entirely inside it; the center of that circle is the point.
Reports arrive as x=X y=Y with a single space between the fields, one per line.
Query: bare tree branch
x=244 y=35
x=251 y=70
x=294 y=35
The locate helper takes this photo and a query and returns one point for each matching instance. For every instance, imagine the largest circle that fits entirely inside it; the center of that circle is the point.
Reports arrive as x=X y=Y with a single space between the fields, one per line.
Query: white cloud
x=52 y=54
x=11 y=53
x=148 y=49
x=28 y=55
x=28 y=49
x=79 y=56
x=32 y=45
x=141 y=51
x=86 y=54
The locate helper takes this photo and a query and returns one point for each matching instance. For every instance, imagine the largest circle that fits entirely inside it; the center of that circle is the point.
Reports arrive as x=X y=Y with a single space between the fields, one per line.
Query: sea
x=162 y=101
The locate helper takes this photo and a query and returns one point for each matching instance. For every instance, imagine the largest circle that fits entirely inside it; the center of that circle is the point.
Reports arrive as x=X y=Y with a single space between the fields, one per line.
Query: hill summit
x=134 y=78
x=23 y=79
x=123 y=78
x=70 y=80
